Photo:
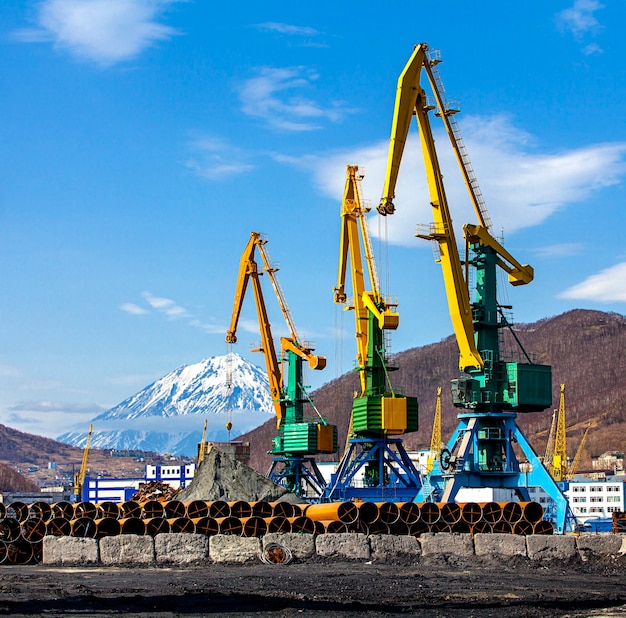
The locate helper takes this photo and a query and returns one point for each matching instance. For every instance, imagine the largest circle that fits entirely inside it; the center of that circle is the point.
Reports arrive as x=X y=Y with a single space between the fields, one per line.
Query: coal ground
x=320 y=587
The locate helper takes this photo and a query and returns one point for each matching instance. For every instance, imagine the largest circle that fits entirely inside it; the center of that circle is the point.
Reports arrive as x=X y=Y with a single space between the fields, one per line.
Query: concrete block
x=229 y=548
x=69 y=550
x=181 y=548
x=546 y=547
x=351 y=545
x=301 y=546
x=622 y=551
x=127 y=549
x=499 y=545
x=598 y=545
x=388 y=547
x=455 y=544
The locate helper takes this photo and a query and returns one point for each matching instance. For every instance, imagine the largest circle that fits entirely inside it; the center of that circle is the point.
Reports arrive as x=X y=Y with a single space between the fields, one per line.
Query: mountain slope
x=587 y=351
x=168 y=415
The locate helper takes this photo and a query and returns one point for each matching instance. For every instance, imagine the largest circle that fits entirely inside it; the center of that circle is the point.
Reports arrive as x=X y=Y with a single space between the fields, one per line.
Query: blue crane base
x=480 y=454
x=389 y=473
x=299 y=475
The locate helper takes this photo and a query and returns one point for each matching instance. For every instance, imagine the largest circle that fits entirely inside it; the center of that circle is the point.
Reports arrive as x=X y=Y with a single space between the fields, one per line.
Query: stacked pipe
x=23 y=527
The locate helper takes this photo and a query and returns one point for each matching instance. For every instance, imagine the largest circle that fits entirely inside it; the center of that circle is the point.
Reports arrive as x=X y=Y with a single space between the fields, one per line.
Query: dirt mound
x=220 y=477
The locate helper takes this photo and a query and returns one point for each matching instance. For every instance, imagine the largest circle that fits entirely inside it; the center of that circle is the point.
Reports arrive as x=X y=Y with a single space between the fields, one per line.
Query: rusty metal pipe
x=450 y=512
x=379 y=527
x=368 y=512
x=230 y=525
x=492 y=511
x=302 y=523
x=481 y=527
x=109 y=509
x=156 y=525
x=219 y=509
x=417 y=528
x=523 y=527
x=130 y=508
x=152 y=508
x=253 y=526
x=333 y=526
x=206 y=525
x=58 y=526
x=430 y=512
x=240 y=509
x=181 y=524
x=543 y=527
x=399 y=528
x=17 y=510
x=409 y=512
x=10 y=529
x=85 y=509
x=107 y=526
x=84 y=527
x=460 y=526
x=20 y=552
x=63 y=509
x=33 y=530
x=501 y=527
x=471 y=512
x=439 y=526
x=174 y=509
x=40 y=510
x=388 y=512
x=262 y=508
x=533 y=511
x=512 y=512
x=278 y=524
x=282 y=509
x=134 y=525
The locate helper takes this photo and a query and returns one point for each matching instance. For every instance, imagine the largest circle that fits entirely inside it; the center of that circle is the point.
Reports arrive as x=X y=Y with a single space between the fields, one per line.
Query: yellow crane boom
x=559 y=456
x=79 y=477
x=435 y=439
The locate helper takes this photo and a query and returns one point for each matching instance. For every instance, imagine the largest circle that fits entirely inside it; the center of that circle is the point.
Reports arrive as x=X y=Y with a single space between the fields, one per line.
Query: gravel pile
x=220 y=477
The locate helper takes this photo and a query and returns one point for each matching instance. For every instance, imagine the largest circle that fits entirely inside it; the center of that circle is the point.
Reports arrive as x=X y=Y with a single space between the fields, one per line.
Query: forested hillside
x=587 y=352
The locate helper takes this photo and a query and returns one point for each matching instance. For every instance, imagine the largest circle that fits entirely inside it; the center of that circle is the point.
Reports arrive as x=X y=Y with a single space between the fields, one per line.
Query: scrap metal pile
x=23 y=527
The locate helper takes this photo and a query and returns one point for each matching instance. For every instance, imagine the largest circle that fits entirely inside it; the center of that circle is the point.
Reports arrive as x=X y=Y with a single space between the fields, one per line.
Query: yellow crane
x=79 y=477
x=559 y=455
x=435 y=439
x=298 y=439
x=573 y=468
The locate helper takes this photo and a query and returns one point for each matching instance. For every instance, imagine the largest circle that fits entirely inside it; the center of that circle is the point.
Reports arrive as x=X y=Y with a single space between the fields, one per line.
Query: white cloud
x=102 y=31
x=214 y=159
x=607 y=286
x=274 y=95
x=133 y=309
x=560 y=250
x=593 y=49
x=274 y=26
x=524 y=186
x=166 y=306
x=579 y=19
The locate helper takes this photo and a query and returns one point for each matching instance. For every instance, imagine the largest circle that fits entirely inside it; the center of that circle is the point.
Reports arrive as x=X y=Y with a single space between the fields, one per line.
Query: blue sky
x=142 y=141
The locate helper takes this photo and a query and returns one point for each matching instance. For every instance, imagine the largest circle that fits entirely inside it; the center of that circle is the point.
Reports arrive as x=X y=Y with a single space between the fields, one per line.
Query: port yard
x=323 y=587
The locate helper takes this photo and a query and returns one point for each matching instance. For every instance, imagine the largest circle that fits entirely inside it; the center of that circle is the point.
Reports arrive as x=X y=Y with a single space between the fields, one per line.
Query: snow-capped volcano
x=168 y=415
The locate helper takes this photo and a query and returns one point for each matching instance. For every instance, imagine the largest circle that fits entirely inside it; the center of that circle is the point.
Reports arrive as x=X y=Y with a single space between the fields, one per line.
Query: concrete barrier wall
x=185 y=549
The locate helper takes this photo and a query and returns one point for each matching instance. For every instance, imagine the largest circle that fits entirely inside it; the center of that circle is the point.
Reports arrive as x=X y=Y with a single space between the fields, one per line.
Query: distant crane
x=202 y=448
x=79 y=477
x=573 y=468
x=435 y=440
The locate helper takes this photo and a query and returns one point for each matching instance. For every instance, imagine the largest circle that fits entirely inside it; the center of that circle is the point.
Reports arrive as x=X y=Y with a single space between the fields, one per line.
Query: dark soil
x=321 y=588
